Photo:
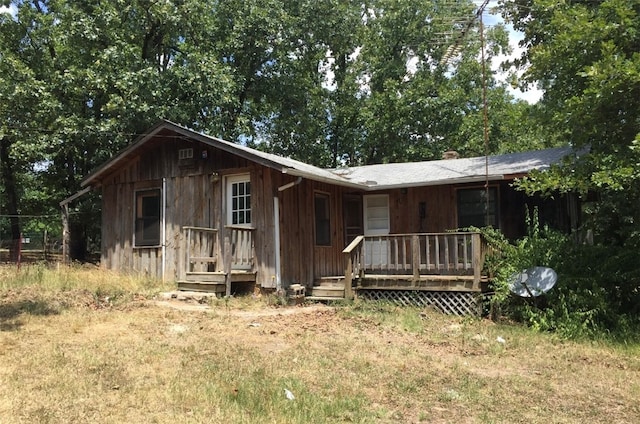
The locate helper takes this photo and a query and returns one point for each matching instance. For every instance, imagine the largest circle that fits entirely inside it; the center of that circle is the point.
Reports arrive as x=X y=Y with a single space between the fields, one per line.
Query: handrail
x=416 y=255
x=356 y=241
x=201 y=248
x=239 y=227
x=211 y=230
x=354 y=264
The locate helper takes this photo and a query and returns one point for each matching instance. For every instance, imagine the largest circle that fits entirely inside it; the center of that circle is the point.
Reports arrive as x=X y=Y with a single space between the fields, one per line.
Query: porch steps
x=213 y=282
x=328 y=288
x=202 y=287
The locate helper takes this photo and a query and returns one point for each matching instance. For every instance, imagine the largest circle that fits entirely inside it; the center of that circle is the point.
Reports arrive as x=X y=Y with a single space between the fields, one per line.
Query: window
x=185 y=154
x=323 y=219
x=147 y=225
x=239 y=200
x=471 y=208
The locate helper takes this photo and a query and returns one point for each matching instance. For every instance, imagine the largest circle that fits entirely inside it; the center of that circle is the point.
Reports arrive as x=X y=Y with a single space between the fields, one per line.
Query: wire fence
x=40 y=240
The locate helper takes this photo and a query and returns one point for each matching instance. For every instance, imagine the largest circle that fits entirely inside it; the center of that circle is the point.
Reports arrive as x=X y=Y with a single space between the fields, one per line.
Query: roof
x=449 y=171
x=282 y=164
x=370 y=177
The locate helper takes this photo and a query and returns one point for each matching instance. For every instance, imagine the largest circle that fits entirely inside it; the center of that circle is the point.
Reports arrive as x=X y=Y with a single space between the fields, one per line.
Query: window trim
x=365 y=222
x=327 y=196
x=229 y=180
x=151 y=243
x=492 y=187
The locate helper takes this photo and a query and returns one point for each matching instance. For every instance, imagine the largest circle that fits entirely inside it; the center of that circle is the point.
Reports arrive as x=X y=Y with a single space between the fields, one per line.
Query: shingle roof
x=370 y=177
x=448 y=171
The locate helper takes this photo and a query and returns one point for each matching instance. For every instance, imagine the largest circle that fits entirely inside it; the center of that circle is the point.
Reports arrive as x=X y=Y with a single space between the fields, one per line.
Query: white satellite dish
x=533 y=282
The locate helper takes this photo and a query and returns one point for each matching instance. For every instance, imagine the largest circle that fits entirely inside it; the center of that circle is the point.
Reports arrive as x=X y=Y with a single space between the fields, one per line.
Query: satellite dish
x=533 y=282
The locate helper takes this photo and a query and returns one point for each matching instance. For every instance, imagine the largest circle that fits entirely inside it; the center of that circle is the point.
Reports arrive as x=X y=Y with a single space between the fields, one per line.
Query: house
x=214 y=215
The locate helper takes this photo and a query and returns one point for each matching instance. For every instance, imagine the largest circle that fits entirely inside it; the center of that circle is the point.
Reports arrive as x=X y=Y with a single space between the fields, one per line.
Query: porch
x=216 y=262
x=440 y=269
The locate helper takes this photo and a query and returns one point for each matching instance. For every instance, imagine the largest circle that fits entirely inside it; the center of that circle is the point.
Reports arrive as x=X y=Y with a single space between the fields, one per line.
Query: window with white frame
x=147 y=218
x=239 y=200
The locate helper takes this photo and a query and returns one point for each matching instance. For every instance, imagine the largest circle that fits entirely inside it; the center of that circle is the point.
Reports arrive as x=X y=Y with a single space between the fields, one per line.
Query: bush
x=598 y=289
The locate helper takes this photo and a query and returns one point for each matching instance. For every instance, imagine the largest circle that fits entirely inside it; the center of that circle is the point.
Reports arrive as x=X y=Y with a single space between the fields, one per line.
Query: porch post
x=227 y=261
x=476 y=245
x=348 y=278
x=415 y=252
x=65 y=233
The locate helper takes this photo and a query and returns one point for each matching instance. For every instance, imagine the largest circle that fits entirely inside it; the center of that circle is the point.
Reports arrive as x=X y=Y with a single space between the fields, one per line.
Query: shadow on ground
x=11 y=311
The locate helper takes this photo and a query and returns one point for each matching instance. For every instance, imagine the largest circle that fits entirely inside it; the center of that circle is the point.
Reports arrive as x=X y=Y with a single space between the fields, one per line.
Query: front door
x=238 y=199
x=376 y=223
x=353 y=227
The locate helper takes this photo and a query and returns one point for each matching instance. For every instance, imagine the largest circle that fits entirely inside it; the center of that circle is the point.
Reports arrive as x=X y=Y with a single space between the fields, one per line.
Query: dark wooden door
x=352 y=213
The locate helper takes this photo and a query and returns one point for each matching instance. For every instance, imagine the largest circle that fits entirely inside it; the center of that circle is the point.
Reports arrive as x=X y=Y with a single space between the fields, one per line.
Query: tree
x=584 y=55
x=364 y=83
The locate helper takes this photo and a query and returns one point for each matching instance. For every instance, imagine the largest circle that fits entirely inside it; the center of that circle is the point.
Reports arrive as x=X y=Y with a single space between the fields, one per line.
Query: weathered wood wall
x=193 y=198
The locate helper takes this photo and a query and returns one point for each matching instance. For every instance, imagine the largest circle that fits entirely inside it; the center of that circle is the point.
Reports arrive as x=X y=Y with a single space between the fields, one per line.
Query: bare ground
x=83 y=358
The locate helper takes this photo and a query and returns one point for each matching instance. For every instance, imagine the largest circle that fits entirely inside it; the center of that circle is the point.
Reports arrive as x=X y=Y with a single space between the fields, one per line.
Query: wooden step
x=323 y=298
x=204 y=287
x=327 y=291
x=331 y=280
x=237 y=276
x=202 y=277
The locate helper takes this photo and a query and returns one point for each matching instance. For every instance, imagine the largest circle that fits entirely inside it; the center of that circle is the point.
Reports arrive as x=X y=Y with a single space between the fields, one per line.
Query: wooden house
x=214 y=215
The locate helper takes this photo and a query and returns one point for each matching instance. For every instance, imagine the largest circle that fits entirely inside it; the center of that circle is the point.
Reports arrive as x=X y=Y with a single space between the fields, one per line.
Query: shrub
x=597 y=294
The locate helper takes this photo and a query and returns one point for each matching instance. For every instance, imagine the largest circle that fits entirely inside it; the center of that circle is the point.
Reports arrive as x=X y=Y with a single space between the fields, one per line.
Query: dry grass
x=67 y=354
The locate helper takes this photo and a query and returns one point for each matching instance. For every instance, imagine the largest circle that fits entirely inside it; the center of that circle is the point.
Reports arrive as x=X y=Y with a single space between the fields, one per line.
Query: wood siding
x=195 y=197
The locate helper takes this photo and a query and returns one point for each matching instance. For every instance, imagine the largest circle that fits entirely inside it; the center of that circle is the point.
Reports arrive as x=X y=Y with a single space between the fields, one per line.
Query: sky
x=532 y=95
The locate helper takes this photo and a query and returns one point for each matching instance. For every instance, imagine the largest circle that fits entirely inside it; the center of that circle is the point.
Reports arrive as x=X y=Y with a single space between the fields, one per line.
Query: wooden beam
x=66 y=258
x=476 y=244
x=227 y=260
x=415 y=253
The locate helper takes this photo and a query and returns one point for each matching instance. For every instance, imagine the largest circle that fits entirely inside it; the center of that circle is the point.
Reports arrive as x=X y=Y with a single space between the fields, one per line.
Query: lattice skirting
x=449 y=302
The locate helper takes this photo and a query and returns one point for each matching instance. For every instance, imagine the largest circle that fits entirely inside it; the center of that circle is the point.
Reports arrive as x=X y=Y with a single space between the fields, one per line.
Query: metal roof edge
x=337 y=181
x=448 y=181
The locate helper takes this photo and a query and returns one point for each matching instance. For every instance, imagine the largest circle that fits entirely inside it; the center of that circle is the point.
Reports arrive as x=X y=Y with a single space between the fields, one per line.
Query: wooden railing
x=202 y=250
x=241 y=246
x=353 y=253
x=459 y=253
x=202 y=253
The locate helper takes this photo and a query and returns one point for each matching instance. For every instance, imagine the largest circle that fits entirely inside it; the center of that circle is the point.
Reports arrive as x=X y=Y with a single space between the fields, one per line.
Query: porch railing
x=241 y=246
x=202 y=249
x=456 y=253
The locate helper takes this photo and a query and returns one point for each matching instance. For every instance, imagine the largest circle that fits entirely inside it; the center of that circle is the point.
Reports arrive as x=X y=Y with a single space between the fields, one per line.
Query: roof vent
x=450 y=154
x=185 y=154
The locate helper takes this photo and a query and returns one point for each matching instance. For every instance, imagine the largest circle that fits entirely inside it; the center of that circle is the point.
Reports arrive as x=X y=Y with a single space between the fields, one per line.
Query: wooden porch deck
x=428 y=262
x=205 y=272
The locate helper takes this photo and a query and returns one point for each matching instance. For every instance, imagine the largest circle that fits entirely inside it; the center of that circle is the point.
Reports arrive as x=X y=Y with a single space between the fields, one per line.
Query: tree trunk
x=7 y=175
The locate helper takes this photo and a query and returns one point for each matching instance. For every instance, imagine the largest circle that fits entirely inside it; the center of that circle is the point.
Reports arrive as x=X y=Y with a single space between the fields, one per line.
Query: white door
x=238 y=198
x=376 y=223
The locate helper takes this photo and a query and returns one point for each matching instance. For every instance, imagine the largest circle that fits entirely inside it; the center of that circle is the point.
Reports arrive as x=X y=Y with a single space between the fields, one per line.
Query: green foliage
x=584 y=54
x=597 y=294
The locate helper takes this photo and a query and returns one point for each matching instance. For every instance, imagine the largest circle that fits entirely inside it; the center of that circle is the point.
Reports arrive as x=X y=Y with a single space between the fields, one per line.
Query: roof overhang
x=95 y=176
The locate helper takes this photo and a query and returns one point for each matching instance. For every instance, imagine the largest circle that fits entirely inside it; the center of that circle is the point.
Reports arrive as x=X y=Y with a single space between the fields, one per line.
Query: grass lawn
x=82 y=345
